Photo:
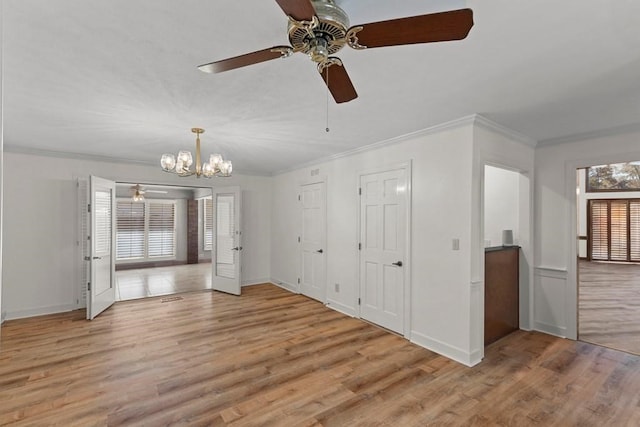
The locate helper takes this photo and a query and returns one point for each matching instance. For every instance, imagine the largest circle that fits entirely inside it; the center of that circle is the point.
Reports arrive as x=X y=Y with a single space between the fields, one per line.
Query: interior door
x=102 y=291
x=227 y=247
x=383 y=208
x=313 y=241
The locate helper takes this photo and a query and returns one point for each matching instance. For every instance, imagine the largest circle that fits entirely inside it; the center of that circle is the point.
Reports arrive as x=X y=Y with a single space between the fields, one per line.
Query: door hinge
x=358 y=301
x=299 y=197
x=298 y=280
x=298 y=239
x=87 y=258
x=89 y=208
x=360 y=191
x=89 y=286
x=359 y=246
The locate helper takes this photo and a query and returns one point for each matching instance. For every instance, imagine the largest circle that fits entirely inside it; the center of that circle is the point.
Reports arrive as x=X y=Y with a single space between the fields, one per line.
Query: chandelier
x=181 y=164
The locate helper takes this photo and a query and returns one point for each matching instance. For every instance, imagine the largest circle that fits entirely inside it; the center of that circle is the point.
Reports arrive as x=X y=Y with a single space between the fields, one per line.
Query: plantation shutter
x=599 y=230
x=161 y=237
x=208 y=224
x=618 y=230
x=102 y=212
x=634 y=230
x=130 y=230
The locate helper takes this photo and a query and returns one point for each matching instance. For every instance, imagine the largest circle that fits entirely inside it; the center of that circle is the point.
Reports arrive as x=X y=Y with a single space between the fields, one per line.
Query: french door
x=614 y=230
x=227 y=247
x=101 y=287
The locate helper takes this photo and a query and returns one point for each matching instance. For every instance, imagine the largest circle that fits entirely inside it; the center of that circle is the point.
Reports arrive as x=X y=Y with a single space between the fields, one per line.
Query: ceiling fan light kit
x=320 y=28
x=181 y=164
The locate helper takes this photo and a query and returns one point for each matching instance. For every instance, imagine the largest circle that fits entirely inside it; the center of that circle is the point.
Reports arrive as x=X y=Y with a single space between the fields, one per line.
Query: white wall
x=40 y=256
x=501 y=147
x=501 y=204
x=556 y=223
x=440 y=211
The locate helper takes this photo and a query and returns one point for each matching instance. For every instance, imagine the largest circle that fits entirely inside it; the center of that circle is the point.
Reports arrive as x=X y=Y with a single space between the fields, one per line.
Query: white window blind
x=102 y=209
x=130 y=230
x=162 y=226
x=207 y=207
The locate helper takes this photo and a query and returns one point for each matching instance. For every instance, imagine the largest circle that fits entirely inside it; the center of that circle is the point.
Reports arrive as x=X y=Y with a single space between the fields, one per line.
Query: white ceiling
x=118 y=78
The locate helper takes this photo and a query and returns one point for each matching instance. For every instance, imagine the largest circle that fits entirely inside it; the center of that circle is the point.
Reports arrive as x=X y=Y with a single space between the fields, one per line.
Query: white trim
x=446 y=350
x=254 y=282
x=453 y=124
x=483 y=122
x=284 y=285
x=601 y=133
x=551 y=272
x=344 y=309
x=40 y=311
x=557 y=331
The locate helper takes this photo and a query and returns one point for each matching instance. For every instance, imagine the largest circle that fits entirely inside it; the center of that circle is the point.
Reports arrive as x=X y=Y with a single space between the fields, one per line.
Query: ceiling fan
x=320 y=28
x=138 y=192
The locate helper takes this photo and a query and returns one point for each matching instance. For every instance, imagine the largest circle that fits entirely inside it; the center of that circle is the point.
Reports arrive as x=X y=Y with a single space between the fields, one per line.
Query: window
x=145 y=229
x=615 y=177
x=130 y=230
x=614 y=230
x=207 y=229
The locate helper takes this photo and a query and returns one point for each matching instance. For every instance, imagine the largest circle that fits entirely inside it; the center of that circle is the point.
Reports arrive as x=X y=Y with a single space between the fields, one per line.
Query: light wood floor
x=271 y=357
x=609 y=305
x=151 y=282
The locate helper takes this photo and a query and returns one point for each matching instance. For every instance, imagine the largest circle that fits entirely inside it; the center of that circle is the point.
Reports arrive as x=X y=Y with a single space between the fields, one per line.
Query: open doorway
x=608 y=248
x=164 y=239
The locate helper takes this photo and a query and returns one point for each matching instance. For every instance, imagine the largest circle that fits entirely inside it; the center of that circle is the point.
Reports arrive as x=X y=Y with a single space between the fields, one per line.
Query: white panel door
x=313 y=241
x=383 y=209
x=102 y=290
x=227 y=247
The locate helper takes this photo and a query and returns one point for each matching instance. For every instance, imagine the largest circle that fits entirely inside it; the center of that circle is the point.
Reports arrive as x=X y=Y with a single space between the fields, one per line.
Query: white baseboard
x=284 y=285
x=253 y=282
x=344 y=309
x=557 y=331
x=41 y=311
x=446 y=350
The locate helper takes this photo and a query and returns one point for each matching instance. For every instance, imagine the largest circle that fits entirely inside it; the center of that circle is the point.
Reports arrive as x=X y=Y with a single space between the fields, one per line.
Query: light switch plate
x=455 y=244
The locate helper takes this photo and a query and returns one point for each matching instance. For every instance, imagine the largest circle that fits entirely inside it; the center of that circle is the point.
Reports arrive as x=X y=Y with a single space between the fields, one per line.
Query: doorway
x=608 y=249
x=384 y=247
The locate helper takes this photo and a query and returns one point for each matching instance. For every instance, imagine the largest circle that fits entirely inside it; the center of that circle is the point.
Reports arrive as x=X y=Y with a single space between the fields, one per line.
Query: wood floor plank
x=271 y=357
x=609 y=305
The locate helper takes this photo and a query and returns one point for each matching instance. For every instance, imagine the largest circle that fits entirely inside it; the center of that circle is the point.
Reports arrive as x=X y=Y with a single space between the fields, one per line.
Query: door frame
x=320 y=179
x=407 y=166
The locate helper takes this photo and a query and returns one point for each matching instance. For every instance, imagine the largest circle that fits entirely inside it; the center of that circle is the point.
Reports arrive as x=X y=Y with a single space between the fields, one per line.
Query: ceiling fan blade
x=336 y=78
x=434 y=27
x=300 y=10
x=246 y=59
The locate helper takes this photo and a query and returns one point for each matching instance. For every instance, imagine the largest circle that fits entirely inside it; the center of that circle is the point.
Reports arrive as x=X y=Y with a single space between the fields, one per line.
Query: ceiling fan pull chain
x=327 y=128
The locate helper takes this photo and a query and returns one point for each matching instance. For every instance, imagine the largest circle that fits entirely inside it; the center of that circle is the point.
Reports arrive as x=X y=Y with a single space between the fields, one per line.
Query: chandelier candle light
x=181 y=164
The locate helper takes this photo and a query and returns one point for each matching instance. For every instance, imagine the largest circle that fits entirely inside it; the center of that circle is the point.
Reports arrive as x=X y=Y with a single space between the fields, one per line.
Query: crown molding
x=602 y=133
x=15 y=149
x=490 y=125
x=453 y=124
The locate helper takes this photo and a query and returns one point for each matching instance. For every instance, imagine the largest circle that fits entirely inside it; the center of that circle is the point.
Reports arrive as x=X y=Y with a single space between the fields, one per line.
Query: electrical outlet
x=337 y=287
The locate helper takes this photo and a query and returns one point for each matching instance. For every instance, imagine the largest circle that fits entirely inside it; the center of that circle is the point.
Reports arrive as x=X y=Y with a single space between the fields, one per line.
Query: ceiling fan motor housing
x=329 y=36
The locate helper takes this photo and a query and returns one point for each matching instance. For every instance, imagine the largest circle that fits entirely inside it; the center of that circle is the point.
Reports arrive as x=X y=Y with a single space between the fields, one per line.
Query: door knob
x=398 y=264
x=97 y=257
x=319 y=251
x=237 y=248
